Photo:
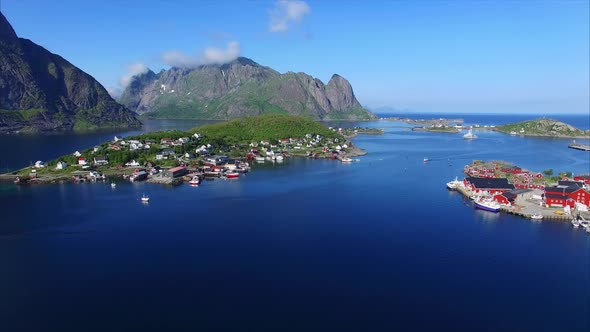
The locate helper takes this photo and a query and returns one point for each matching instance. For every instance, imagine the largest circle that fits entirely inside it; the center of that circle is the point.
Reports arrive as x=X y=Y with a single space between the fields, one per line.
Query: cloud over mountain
x=286 y=12
x=210 y=55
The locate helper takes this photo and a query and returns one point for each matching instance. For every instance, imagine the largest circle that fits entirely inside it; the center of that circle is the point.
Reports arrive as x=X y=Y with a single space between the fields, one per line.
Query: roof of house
x=562 y=189
x=490 y=183
x=570 y=183
x=176 y=169
x=511 y=195
x=550 y=195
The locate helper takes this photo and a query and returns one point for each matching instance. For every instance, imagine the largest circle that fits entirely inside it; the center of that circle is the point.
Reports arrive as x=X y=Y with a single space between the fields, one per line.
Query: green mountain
x=238 y=89
x=41 y=91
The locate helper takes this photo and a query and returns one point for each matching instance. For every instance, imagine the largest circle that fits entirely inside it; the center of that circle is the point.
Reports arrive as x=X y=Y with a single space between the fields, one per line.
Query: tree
x=548 y=172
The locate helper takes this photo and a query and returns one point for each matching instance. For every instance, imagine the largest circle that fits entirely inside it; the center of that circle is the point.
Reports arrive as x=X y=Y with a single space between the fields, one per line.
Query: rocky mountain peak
x=6 y=30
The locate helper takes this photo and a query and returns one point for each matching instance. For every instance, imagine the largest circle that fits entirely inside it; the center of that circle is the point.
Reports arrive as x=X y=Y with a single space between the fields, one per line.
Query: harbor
x=501 y=187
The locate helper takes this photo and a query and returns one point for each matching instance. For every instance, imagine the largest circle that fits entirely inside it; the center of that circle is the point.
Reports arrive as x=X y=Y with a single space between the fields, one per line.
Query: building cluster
x=509 y=184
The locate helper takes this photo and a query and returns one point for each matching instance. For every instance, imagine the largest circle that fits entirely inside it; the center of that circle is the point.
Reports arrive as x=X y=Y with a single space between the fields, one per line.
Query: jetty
x=579 y=146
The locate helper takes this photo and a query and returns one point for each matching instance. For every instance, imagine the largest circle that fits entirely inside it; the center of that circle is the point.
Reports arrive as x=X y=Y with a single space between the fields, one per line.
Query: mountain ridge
x=42 y=91
x=240 y=88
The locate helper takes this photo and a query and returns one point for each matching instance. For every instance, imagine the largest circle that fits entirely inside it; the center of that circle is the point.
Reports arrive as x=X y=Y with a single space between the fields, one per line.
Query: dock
x=578 y=146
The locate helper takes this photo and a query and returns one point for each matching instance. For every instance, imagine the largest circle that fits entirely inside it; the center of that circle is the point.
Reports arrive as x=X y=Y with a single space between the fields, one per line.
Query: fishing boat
x=537 y=216
x=452 y=185
x=469 y=135
x=195 y=181
x=145 y=198
x=487 y=205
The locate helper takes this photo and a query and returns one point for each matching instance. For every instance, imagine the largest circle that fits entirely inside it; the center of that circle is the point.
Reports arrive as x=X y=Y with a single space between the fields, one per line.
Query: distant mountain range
x=42 y=91
x=237 y=89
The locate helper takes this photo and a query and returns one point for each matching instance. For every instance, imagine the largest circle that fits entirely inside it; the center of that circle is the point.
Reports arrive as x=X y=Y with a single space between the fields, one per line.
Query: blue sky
x=423 y=56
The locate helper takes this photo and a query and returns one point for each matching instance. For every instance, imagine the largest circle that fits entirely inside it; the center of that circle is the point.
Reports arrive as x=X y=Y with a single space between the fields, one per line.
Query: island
x=544 y=128
x=222 y=149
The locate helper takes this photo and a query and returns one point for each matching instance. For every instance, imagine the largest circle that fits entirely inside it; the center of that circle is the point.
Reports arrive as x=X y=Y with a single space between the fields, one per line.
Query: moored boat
x=195 y=181
x=232 y=175
x=575 y=223
x=145 y=198
x=487 y=205
x=346 y=160
x=452 y=185
x=537 y=216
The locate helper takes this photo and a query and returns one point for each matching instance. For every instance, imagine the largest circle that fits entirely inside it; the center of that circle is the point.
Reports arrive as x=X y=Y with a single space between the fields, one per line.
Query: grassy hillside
x=264 y=127
x=544 y=127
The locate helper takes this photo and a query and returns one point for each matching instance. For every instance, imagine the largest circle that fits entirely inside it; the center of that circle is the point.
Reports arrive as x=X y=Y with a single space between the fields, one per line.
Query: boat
x=469 y=135
x=258 y=158
x=537 y=216
x=113 y=185
x=279 y=158
x=145 y=198
x=575 y=223
x=487 y=205
x=452 y=185
x=426 y=160
x=232 y=175
x=195 y=181
x=346 y=160
x=513 y=133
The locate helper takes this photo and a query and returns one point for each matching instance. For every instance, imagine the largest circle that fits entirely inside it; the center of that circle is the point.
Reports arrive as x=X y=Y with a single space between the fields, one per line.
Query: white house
x=100 y=160
x=132 y=163
x=61 y=165
x=159 y=156
x=82 y=161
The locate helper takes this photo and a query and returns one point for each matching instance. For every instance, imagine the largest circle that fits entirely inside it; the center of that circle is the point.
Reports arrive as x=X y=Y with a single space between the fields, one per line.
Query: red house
x=583 y=178
x=490 y=185
x=567 y=193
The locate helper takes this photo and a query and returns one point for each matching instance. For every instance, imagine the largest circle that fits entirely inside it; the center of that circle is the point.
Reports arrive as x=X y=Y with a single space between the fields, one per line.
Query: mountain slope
x=237 y=89
x=42 y=91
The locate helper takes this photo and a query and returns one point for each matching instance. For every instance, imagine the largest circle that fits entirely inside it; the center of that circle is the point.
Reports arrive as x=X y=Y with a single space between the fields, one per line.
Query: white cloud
x=211 y=55
x=133 y=69
x=286 y=12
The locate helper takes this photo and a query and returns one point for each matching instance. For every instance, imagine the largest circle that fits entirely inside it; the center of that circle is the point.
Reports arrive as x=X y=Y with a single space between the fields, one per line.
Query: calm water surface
x=309 y=245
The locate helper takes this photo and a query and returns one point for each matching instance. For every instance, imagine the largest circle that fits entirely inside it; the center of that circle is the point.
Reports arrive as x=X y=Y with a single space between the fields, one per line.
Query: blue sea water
x=308 y=245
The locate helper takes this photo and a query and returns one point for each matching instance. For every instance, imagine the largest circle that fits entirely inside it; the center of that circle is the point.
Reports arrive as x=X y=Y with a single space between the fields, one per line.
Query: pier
x=578 y=146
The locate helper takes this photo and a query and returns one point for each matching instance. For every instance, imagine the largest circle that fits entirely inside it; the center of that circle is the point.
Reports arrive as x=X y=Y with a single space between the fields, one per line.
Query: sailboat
x=469 y=135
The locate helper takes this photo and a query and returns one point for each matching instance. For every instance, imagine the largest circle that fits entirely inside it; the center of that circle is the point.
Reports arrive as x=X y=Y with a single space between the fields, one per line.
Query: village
x=177 y=157
x=499 y=186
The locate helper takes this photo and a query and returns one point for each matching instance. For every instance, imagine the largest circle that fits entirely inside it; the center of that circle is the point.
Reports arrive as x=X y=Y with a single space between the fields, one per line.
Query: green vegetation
x=548 y=172
x=544 y=127
x=264 y=127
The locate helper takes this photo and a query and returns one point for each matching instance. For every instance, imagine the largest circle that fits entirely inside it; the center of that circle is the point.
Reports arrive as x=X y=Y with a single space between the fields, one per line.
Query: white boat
x=537 y=216
x=469 y=135
x=259 y=158
x=426 y=160
x=452 y=185
x=346 y=160
x=145 y=198
x=513 y=133
x=575 y=223
x=279 y=158
x=113 y=185
x=487 y=205
x=195 y=181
